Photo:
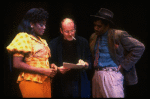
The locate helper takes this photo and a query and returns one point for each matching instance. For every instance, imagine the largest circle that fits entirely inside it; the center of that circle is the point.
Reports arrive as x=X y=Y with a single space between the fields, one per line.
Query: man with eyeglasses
x=70 y=48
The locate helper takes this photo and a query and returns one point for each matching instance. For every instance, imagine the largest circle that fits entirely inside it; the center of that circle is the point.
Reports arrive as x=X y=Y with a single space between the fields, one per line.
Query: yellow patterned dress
x=36 y=53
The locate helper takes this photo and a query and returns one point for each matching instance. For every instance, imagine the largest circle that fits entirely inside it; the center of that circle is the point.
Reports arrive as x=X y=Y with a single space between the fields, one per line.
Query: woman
x=31 y=53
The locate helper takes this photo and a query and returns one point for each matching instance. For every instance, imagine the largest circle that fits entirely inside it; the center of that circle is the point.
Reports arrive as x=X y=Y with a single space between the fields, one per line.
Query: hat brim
x=102 y=18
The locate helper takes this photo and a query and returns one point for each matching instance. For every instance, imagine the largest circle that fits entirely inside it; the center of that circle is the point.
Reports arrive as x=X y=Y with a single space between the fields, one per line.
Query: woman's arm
x=19 y=64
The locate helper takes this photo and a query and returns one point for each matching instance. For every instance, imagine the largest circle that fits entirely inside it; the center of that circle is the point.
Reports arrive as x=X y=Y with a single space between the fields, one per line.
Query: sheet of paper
x=72 y=66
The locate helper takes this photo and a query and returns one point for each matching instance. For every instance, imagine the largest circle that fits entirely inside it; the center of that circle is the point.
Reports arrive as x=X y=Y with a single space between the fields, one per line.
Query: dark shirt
x=69 y=53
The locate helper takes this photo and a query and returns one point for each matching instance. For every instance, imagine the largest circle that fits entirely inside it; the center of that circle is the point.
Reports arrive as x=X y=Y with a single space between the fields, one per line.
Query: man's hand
x=85 y=64
x=63 y=70
x=119 y=68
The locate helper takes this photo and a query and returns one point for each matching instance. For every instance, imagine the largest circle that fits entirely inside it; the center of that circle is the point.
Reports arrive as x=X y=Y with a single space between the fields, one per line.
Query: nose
x=44 y=27
x=96 y=28
x=70 y=33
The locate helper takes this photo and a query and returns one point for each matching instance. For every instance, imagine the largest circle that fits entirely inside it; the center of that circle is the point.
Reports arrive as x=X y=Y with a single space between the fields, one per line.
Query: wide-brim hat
x=105 y=14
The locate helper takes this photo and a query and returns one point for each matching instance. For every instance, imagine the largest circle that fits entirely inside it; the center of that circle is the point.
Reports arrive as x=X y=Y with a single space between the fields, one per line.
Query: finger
x=53 y=66
x=53 y=71
x=118 y=68
x=68 y=69
x=87 y=63
x=65 y=68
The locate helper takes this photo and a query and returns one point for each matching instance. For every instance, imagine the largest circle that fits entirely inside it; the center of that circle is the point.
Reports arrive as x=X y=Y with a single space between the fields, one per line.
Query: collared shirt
x=105 y=59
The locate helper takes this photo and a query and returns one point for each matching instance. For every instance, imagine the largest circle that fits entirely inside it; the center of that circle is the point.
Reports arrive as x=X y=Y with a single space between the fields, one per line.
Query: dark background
x=129 y=16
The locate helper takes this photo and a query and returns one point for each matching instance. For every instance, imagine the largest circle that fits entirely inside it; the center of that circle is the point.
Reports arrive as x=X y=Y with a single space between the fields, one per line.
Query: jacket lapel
x=59 y=51
x=79 y=47
x=92 y=43
x=111 y=44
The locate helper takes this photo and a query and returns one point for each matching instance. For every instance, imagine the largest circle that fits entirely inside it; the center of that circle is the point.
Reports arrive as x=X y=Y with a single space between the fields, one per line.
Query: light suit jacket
x=124 y=50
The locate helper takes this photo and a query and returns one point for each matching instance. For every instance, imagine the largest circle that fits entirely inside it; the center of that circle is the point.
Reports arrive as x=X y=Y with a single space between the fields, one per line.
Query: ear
x=61 y=31
x=31 y=24
x=74 y=26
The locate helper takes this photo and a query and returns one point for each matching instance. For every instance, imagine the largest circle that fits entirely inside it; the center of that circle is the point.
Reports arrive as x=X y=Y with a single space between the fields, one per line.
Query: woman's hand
x=50 y=72
x=53 y=66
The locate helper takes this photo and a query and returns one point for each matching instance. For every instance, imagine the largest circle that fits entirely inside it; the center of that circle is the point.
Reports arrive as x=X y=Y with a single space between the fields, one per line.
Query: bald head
x=67 y=22
x=68 y=29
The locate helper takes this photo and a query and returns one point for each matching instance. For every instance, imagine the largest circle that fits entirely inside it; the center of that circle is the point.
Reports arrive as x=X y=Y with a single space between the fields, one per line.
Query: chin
x=41 y=34
x=97 y=33
x=69 y=39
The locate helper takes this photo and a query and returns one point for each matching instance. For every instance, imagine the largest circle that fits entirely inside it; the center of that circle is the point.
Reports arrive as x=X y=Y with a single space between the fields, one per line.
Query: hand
x=85 y=64
x=119 y=68
x=63 y=70
x=50 y=72
x=53 y=72
x=53 y=66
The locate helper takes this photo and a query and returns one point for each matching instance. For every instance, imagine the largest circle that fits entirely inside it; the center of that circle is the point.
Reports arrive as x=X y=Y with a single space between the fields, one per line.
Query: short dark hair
x=34 y=15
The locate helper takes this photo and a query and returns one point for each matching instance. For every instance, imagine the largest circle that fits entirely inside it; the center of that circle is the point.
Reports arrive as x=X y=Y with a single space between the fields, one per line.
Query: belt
x=106 y=68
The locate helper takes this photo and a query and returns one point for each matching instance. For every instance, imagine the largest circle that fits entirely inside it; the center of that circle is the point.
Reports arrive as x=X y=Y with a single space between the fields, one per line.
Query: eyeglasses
x=71 y=31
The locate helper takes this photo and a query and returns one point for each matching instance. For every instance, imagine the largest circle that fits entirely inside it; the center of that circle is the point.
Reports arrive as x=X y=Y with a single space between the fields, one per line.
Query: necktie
x=97 y=53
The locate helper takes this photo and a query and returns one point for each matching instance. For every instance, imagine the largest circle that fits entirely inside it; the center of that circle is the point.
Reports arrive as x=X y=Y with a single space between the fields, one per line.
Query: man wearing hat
x=115 y=54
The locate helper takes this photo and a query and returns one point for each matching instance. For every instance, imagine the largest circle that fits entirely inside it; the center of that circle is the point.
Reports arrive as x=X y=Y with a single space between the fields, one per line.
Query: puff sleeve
x=20 y=44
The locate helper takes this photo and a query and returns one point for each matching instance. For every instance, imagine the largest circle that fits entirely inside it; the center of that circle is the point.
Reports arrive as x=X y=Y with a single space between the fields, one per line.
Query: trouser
x=30 y=89
x=107 y=84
